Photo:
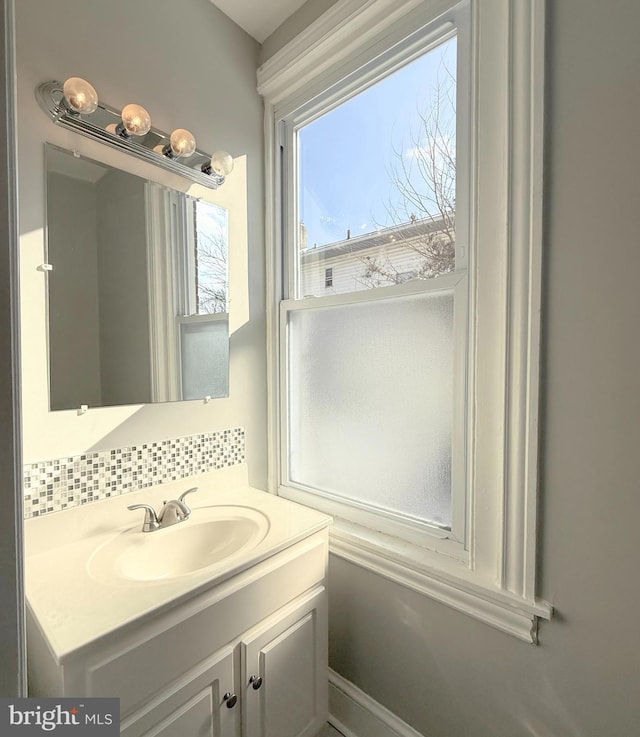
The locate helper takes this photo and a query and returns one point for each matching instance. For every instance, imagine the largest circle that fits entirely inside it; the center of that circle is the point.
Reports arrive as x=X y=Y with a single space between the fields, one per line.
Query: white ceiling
x=259 y=18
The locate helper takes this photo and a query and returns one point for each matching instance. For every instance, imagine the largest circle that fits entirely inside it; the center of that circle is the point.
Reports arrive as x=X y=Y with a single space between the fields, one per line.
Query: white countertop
x=73 y=608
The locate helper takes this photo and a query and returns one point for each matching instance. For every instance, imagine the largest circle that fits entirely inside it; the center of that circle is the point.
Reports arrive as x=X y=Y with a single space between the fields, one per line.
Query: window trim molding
x=450 y=585
x=162 y=339
x=499 y=584
x=330 y=40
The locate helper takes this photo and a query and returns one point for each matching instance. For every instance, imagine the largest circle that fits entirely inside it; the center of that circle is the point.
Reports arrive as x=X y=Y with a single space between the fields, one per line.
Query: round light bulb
x=81 y=96
x=136 y=120
x=222 y=163
x=182 y=142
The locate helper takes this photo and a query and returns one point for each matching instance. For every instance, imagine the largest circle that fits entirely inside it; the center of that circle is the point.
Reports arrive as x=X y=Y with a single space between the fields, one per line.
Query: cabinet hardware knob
x=230 y=699
x=256 y=682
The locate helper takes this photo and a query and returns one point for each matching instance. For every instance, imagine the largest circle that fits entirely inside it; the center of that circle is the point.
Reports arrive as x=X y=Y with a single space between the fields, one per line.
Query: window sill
x=446 y=580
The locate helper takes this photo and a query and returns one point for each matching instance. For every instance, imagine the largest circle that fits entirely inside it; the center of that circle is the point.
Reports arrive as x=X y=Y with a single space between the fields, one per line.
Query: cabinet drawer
x=162 y=649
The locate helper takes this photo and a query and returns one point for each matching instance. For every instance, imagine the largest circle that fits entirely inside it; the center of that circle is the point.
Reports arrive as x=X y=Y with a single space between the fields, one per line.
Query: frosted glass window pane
x=370 y=403
x=205 y=359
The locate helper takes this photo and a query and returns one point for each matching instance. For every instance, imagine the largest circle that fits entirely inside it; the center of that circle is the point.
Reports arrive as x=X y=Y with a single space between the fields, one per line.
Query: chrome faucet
x=172 y=512
x=151 y=521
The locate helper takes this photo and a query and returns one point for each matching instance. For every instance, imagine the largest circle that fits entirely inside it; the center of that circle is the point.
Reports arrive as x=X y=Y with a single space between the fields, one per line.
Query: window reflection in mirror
x=138 y=291
x=203 y=339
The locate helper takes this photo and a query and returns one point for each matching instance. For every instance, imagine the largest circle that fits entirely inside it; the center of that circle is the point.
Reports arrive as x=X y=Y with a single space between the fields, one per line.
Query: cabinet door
x=193 y=706
x=284 y=671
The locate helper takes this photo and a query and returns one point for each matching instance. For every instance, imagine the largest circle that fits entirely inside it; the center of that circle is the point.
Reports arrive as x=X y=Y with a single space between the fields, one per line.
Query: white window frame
x=495 y=581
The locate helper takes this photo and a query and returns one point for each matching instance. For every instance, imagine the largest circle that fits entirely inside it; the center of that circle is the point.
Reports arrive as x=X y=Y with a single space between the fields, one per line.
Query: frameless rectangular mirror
x=137 y=289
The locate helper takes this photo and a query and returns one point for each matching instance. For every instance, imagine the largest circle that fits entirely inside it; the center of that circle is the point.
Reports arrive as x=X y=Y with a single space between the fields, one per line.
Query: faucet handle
x=188 y=491
x=150 y=517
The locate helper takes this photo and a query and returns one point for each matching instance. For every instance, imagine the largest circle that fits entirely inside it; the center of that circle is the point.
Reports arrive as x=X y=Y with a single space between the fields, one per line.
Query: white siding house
x=390 y=255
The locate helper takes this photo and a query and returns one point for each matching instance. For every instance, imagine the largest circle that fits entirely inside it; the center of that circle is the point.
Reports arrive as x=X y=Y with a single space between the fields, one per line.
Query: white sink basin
x=211 y=535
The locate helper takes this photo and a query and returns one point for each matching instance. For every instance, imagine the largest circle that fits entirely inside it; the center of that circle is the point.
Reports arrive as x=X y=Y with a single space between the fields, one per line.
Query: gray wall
x=12 y=655
x=98 y=295
x=125 y=358
x=442 y=672
x=74 y=334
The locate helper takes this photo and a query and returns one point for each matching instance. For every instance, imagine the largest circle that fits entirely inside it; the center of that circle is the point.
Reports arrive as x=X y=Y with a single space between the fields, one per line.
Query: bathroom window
x=372 y=420
x=189 y=288
x=405 y=400
x=202 y=313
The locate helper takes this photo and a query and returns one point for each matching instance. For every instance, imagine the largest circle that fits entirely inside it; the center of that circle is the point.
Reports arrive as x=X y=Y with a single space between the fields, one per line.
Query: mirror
x=138 y=288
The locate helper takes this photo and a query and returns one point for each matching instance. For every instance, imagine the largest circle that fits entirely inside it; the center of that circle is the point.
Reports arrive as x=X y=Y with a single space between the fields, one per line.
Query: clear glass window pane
x=371 y=403
x=377 y=182
x=211 y=258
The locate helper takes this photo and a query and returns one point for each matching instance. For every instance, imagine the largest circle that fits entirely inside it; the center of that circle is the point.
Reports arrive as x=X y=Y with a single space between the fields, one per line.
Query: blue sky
x=345 y=155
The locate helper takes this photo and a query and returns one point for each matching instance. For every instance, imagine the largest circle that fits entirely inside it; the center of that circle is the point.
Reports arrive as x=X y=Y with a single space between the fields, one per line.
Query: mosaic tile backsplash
x=50 y=486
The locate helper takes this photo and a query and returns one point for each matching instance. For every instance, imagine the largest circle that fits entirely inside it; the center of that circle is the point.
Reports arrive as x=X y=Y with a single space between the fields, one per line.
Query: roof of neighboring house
x=404 y=231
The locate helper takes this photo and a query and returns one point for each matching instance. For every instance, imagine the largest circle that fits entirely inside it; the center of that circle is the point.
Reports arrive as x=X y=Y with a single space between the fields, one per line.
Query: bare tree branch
x=424 y=177
x=212 y=273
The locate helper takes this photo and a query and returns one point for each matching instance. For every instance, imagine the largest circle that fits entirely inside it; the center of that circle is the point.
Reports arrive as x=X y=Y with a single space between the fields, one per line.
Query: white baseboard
x=355 y=714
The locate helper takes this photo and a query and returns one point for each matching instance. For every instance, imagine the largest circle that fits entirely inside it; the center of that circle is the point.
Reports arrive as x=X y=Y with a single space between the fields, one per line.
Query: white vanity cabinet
x=195 y=705
x=282 y=687
x=244 y=658
x=273 y=693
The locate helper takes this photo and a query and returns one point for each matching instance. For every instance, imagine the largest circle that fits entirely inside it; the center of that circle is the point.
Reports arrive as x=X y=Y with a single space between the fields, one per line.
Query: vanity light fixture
x=181 y=143
x=75 y=105
x=221 y=165
x=80 y=96
x=135 y=121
